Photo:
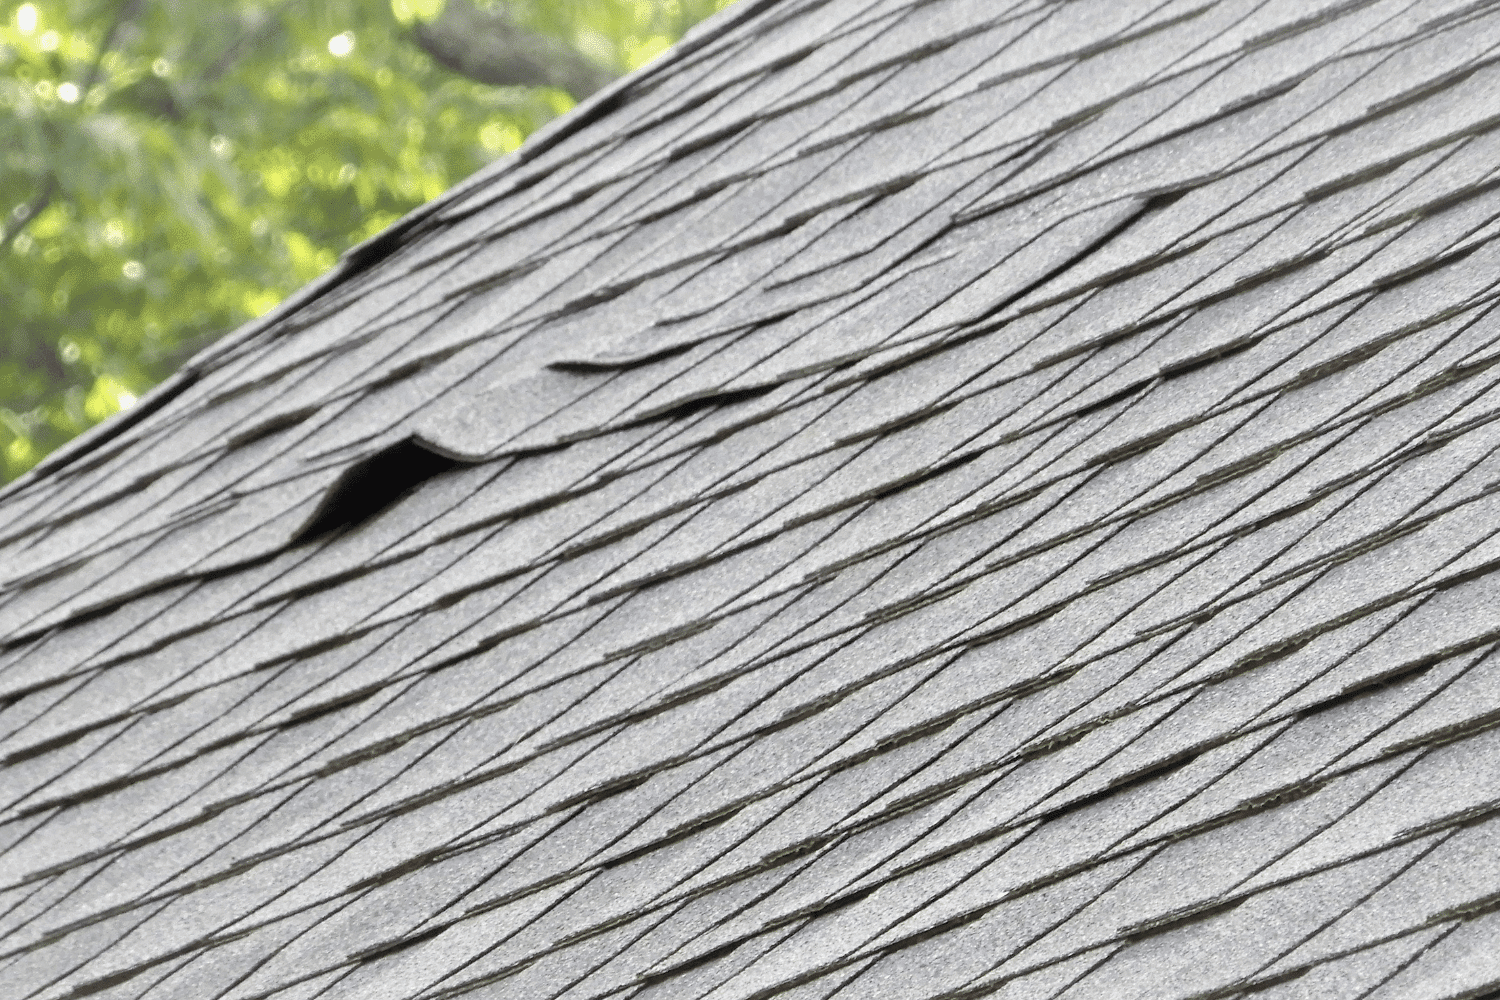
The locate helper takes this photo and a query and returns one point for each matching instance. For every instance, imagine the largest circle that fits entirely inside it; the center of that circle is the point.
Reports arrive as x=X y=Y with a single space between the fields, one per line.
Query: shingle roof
x=903 y=499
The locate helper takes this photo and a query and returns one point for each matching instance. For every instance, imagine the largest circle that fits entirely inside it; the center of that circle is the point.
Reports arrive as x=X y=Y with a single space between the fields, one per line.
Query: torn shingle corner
x=914 y=499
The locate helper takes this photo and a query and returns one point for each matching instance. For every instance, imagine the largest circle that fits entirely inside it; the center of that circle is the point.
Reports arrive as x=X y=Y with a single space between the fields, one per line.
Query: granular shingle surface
x=913 y=499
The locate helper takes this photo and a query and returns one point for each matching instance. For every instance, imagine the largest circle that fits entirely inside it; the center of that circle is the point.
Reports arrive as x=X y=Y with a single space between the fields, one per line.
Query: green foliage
x=171 y=168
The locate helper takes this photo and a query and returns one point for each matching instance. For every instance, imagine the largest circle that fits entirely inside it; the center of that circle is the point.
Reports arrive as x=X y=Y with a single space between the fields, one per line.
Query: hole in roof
x=373 y=484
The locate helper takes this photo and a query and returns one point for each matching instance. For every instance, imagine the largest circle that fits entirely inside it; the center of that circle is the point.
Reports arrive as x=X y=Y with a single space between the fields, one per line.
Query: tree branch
x=23 y=216
x=489 y=46
x=39 y=202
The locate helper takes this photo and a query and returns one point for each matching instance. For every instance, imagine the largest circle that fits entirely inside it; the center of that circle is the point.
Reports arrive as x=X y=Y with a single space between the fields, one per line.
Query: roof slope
x=905 y=500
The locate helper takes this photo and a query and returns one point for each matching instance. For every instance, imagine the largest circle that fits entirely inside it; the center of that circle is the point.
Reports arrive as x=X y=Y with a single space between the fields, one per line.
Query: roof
x=900 y=499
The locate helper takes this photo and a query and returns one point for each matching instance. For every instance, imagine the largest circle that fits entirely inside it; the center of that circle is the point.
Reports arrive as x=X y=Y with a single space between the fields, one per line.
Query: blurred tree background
x=171 y=168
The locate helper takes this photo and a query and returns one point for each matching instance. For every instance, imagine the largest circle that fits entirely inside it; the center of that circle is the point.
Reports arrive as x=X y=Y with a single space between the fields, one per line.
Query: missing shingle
x=373 y=484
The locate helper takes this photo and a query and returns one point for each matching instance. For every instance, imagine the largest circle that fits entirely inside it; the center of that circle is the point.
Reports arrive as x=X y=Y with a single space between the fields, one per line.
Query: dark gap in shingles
x=1228 y=350
x=1368 y=686
x=1441 y=438
x=488 y=979
x=1469 y=816
x=609 y=789
x=588 y=365
x=1253 y=281
x=1261 y=985
x=801 y=849
x=372 y=484
x=1135 y=779
x=1436 y=205
x=491 y=281
x=1261 y=96
x=1290 y=644
x=1340 y=362
x=866 y=497
x=123 y=976
x=314 y=712
x=311 y=649
x=951 y=924
x=1364 y=176
x=406 y=867
x=822 y=908
x=702 y=401
x=1165 y=198
x=595 y=930
x=1052 y=744
x=896 y=424
x=1011 y=627
x=1178 y=918
x=1260 y=803
x=412 y=367
x=1266 y=654
x=679 y=833
x=914 y=603
x=710 y=138
x=94 y=791
x=59 y=741
x=274 y=425
x=1160 y=559
x=1139 y=446
x=909 y=735
x=1117 y=396
x=385 y=948
x=650 y=979
x=660 y=641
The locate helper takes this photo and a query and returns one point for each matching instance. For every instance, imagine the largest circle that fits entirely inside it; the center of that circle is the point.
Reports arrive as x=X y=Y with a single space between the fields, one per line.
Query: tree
x=170 y=168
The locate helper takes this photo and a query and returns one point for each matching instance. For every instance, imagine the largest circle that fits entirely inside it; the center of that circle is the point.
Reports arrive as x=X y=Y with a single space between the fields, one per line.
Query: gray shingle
x=1000 y=506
